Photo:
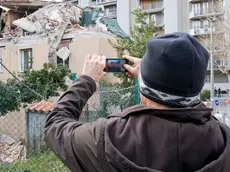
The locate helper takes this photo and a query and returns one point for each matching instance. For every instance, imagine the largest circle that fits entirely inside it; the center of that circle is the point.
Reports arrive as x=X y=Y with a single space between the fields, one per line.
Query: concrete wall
x=123 y=15
x=11 y=57
x=171 y=16
x=80 y=46
x=176 y=16
x=183 y=15
x=83 y=45
x=12 y=16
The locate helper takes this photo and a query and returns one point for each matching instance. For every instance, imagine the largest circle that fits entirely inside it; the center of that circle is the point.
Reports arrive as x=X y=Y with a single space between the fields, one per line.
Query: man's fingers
x=129 y=68
x=129 y=74
x=94 y=57
x=103 y=60
x=99 y=58
x=87 y=57
x=129 y=58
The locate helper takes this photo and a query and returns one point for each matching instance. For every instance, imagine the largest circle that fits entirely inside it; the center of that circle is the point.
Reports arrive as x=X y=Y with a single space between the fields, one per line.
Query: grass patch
x=39 y=162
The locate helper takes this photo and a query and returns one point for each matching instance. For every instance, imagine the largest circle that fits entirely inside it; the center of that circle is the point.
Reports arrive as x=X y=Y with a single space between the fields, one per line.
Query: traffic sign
x=217 y=103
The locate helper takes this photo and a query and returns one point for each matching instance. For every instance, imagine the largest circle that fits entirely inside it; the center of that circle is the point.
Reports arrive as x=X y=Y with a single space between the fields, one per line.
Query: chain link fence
x=22 y=147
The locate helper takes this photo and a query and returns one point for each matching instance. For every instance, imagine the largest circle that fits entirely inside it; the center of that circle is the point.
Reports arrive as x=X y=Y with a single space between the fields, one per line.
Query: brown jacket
x=140 y=139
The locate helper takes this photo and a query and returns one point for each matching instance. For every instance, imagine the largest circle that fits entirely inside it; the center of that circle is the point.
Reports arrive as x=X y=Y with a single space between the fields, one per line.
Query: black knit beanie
x=173 y=69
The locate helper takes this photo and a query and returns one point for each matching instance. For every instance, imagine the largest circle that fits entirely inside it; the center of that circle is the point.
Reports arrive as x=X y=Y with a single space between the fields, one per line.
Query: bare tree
x=219 y=29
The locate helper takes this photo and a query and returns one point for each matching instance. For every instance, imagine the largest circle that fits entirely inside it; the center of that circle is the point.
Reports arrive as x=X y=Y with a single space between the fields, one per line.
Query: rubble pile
x=10 y=150
x=51 y=21
x=58 y=21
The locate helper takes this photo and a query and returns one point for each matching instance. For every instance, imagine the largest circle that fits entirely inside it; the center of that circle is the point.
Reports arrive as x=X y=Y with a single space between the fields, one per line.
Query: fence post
x=137 y=95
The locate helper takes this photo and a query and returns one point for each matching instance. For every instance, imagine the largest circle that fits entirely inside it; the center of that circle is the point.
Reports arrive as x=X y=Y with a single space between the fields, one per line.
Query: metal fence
x=22 y=147
x=21 y=132
x=222 y=110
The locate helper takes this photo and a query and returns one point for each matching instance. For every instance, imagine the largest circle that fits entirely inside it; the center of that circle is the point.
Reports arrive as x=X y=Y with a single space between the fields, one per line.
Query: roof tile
x=44 y=106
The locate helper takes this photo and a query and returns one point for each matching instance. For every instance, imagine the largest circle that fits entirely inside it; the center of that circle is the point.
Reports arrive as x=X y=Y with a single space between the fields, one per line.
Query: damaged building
x=53 y=32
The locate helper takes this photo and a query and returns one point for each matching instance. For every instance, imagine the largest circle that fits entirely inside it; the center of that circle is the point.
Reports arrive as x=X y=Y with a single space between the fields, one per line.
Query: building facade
x=15 y=55
x=109 y=6
x=193 y=17
x=208 y=22
x=169 y=15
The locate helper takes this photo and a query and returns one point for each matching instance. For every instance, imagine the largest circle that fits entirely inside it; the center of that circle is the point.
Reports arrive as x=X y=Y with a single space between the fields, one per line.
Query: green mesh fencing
x=22 y=148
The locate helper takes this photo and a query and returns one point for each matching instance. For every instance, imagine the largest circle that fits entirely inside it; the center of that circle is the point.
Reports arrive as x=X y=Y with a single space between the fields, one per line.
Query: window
x=111 y=10
x=154 y=18
x=196 y=25
x=25 y=59
x=100 y=1
x=206 y=24
x=196 y=9
x=145 y=4
x=205 y=8
x=60 y=61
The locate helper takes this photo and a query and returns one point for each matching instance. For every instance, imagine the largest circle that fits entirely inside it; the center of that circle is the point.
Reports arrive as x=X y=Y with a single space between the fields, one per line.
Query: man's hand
x=94 y=66
x=134 y=69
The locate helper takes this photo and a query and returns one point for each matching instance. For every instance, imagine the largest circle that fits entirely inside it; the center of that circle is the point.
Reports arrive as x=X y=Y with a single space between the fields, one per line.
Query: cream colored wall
x=11 y=57
x=80 y=46
x=83 y=45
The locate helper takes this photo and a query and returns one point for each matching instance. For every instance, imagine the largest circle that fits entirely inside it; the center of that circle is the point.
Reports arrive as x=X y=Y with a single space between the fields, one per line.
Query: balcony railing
x=105 y=1
x=159 y=22
x=111 y=13
x=153 y=5
x=200 y=31
x=207 y=12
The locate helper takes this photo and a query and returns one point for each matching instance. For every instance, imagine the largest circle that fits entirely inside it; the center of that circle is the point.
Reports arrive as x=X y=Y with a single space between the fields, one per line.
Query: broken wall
x=12 y=16
x=88 y=44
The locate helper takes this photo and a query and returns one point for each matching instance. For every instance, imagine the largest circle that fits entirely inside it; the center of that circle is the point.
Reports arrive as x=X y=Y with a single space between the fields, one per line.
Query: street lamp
x=211 y=63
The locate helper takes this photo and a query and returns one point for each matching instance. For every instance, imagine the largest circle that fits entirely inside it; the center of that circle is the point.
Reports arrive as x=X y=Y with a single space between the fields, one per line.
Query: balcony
x=153 y=7
x=205 y=14
x=195 y=1
x=111 y=13
x=159 y=23
x=106 y=2
x=200 y=31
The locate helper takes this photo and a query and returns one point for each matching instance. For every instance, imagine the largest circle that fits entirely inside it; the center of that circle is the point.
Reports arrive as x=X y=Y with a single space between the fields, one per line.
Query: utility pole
x=211 y=65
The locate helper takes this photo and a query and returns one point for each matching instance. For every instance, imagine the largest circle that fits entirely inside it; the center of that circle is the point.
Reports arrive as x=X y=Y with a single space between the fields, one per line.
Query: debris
x=7 y=139
x=10 y=151
x=63 y=53
x=52 y=20
x=55 y=22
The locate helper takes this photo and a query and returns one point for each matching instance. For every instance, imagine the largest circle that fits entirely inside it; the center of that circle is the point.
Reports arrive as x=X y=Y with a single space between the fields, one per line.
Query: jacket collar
x=196 y=114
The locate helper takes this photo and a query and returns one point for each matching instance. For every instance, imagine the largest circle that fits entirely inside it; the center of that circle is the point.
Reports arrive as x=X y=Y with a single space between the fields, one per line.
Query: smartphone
x=115 y=65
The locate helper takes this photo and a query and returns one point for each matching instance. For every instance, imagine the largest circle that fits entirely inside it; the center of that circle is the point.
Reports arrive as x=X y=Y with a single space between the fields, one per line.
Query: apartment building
x=201 y=13
x=109 y=6
x=208 y=18
x=169 y=15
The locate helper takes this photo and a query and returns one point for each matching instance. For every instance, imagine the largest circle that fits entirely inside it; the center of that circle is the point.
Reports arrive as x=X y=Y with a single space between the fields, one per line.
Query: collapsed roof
x=56 y=20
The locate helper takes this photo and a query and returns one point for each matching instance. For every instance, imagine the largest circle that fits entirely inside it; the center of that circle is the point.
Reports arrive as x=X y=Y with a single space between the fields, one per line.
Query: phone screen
x=115 y=65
